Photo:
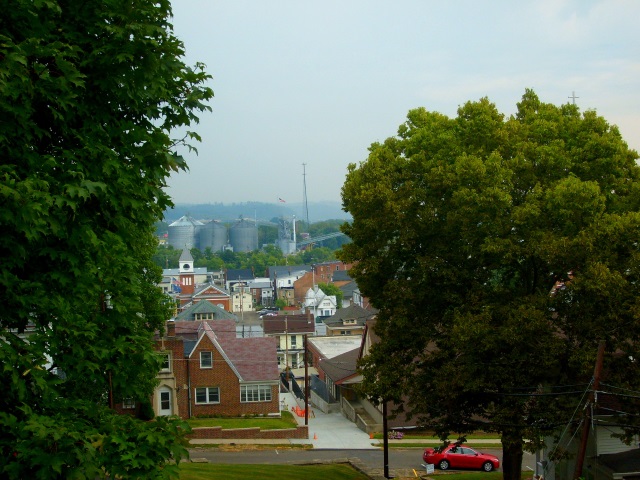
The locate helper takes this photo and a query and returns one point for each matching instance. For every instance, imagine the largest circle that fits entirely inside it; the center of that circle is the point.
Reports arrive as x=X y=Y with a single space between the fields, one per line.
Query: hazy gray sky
x=316 y=82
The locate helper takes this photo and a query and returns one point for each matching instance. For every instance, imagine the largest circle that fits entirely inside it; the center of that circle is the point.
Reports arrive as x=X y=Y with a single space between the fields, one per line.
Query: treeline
x=258 y=261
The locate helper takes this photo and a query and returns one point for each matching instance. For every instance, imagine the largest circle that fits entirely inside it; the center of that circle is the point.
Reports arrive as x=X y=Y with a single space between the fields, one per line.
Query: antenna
x=304 y=184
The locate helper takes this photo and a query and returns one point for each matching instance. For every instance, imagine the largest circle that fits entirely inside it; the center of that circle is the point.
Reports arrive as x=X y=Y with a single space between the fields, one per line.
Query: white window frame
x=210 y=365
x=255 y=393
x=208 y=391
x=128 y=404
x=167 y=361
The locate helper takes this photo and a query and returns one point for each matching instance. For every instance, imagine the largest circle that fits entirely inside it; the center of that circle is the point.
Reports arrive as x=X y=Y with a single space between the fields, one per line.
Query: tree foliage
x=461 y=229
x=331 y=289
x=258 y=261
x=89 y=93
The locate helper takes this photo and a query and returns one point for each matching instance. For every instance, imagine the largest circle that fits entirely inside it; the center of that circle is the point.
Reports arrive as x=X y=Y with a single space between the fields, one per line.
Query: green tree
x=166 y=256
x=461 y=229
x=89 y=93
x=331 y=289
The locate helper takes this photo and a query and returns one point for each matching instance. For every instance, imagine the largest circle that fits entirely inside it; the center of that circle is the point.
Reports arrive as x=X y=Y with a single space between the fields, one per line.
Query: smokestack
x=171 y=328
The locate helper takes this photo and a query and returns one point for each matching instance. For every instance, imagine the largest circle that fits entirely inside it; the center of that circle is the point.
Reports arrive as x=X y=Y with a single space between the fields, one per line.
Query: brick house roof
x=252 y=359
x=291 y=324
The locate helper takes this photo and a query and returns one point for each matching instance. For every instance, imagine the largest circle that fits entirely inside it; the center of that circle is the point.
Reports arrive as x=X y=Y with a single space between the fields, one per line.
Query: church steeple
x=186 y=261
x=187 y=274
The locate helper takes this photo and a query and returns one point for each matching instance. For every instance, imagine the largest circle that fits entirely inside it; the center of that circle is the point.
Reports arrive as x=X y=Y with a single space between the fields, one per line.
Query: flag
x=175 y=285
x=281 y=200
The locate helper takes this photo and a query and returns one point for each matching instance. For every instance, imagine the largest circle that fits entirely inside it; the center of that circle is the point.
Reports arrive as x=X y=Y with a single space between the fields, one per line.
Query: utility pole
x=589 y=406
x=306 y=383
x=385 y=439
x=286 y=348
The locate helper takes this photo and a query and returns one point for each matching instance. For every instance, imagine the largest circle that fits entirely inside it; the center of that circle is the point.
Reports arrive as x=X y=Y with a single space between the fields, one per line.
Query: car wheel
x=487 y=466
x=443 y=465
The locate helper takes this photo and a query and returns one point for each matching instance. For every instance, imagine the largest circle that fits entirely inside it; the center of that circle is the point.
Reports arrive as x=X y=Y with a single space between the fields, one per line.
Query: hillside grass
x=265 y=423
x=206 y=471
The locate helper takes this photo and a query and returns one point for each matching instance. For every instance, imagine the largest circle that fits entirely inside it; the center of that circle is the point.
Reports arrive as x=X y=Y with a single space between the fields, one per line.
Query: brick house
x=335 y=272
x=207 y=371
x=213 y=294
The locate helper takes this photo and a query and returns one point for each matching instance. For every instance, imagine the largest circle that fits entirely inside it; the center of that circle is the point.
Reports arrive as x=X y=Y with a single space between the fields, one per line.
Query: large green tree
x=89 y=93
x=499 y=252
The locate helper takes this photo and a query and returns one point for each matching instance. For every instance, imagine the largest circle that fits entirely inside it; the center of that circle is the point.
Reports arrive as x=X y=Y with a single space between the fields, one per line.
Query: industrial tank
x=243 y=236
x=183 y=233
x=212 y=235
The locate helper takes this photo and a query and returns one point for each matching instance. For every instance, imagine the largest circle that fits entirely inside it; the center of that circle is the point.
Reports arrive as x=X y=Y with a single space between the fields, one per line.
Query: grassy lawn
x=430 y=436
x=429 y=439
x=206 y=471
x=472 y=475
x=265 y=423
x=425 y=444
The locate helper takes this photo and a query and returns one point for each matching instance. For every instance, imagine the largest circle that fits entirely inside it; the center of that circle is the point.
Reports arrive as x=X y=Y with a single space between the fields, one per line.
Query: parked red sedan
x=460 y=456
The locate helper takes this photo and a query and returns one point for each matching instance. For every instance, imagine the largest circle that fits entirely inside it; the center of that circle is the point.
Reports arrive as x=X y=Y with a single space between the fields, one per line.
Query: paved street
x=336 y=439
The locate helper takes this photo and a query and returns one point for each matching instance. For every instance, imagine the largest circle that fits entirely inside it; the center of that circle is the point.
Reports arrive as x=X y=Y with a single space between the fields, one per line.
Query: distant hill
x=318 y=211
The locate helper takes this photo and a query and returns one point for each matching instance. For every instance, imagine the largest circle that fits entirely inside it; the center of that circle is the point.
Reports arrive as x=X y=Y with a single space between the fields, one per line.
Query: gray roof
x=352 y=312
x=348 y=289
x=341 y=276
x=340 y=367
x=205 y=307
x=236 y=274
x=174 y=272
x=623 y=462
x=186 y=256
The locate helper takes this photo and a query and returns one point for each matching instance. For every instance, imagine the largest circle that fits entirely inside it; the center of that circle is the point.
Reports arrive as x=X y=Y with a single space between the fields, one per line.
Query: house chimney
x=171 y=328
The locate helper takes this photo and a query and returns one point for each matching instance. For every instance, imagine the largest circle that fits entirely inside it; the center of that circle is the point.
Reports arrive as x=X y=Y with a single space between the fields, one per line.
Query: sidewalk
x=330 y=431
x=327 y=431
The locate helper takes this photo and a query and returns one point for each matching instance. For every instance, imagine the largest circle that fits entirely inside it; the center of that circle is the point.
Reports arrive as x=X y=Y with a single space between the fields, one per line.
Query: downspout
x=188 y=385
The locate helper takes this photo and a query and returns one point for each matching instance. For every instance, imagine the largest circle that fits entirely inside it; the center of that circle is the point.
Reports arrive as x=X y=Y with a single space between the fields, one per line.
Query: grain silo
x=183 y=233
x=243 y=236
x=212 y=235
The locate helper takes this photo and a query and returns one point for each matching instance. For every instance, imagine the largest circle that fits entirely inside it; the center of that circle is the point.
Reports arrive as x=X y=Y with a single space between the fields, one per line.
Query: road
x=399 y=458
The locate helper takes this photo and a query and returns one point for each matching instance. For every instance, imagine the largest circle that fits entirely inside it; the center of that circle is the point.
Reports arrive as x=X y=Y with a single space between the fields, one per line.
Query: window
x=207 y=395
x=346 y=332
x=206 y=360
x=293 y=341
x=128 y=403
x=166 y=362
x=255 y=393
x=165 y=400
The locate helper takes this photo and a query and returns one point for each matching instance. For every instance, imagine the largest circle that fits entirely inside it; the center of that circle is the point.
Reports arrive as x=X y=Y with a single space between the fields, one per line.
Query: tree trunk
x=512 y=457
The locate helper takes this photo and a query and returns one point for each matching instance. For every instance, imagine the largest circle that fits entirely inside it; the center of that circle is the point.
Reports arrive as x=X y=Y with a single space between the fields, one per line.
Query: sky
x=303 y=88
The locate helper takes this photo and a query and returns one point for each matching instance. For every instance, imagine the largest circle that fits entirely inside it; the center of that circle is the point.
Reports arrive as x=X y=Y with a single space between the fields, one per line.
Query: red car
x=460 y=456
